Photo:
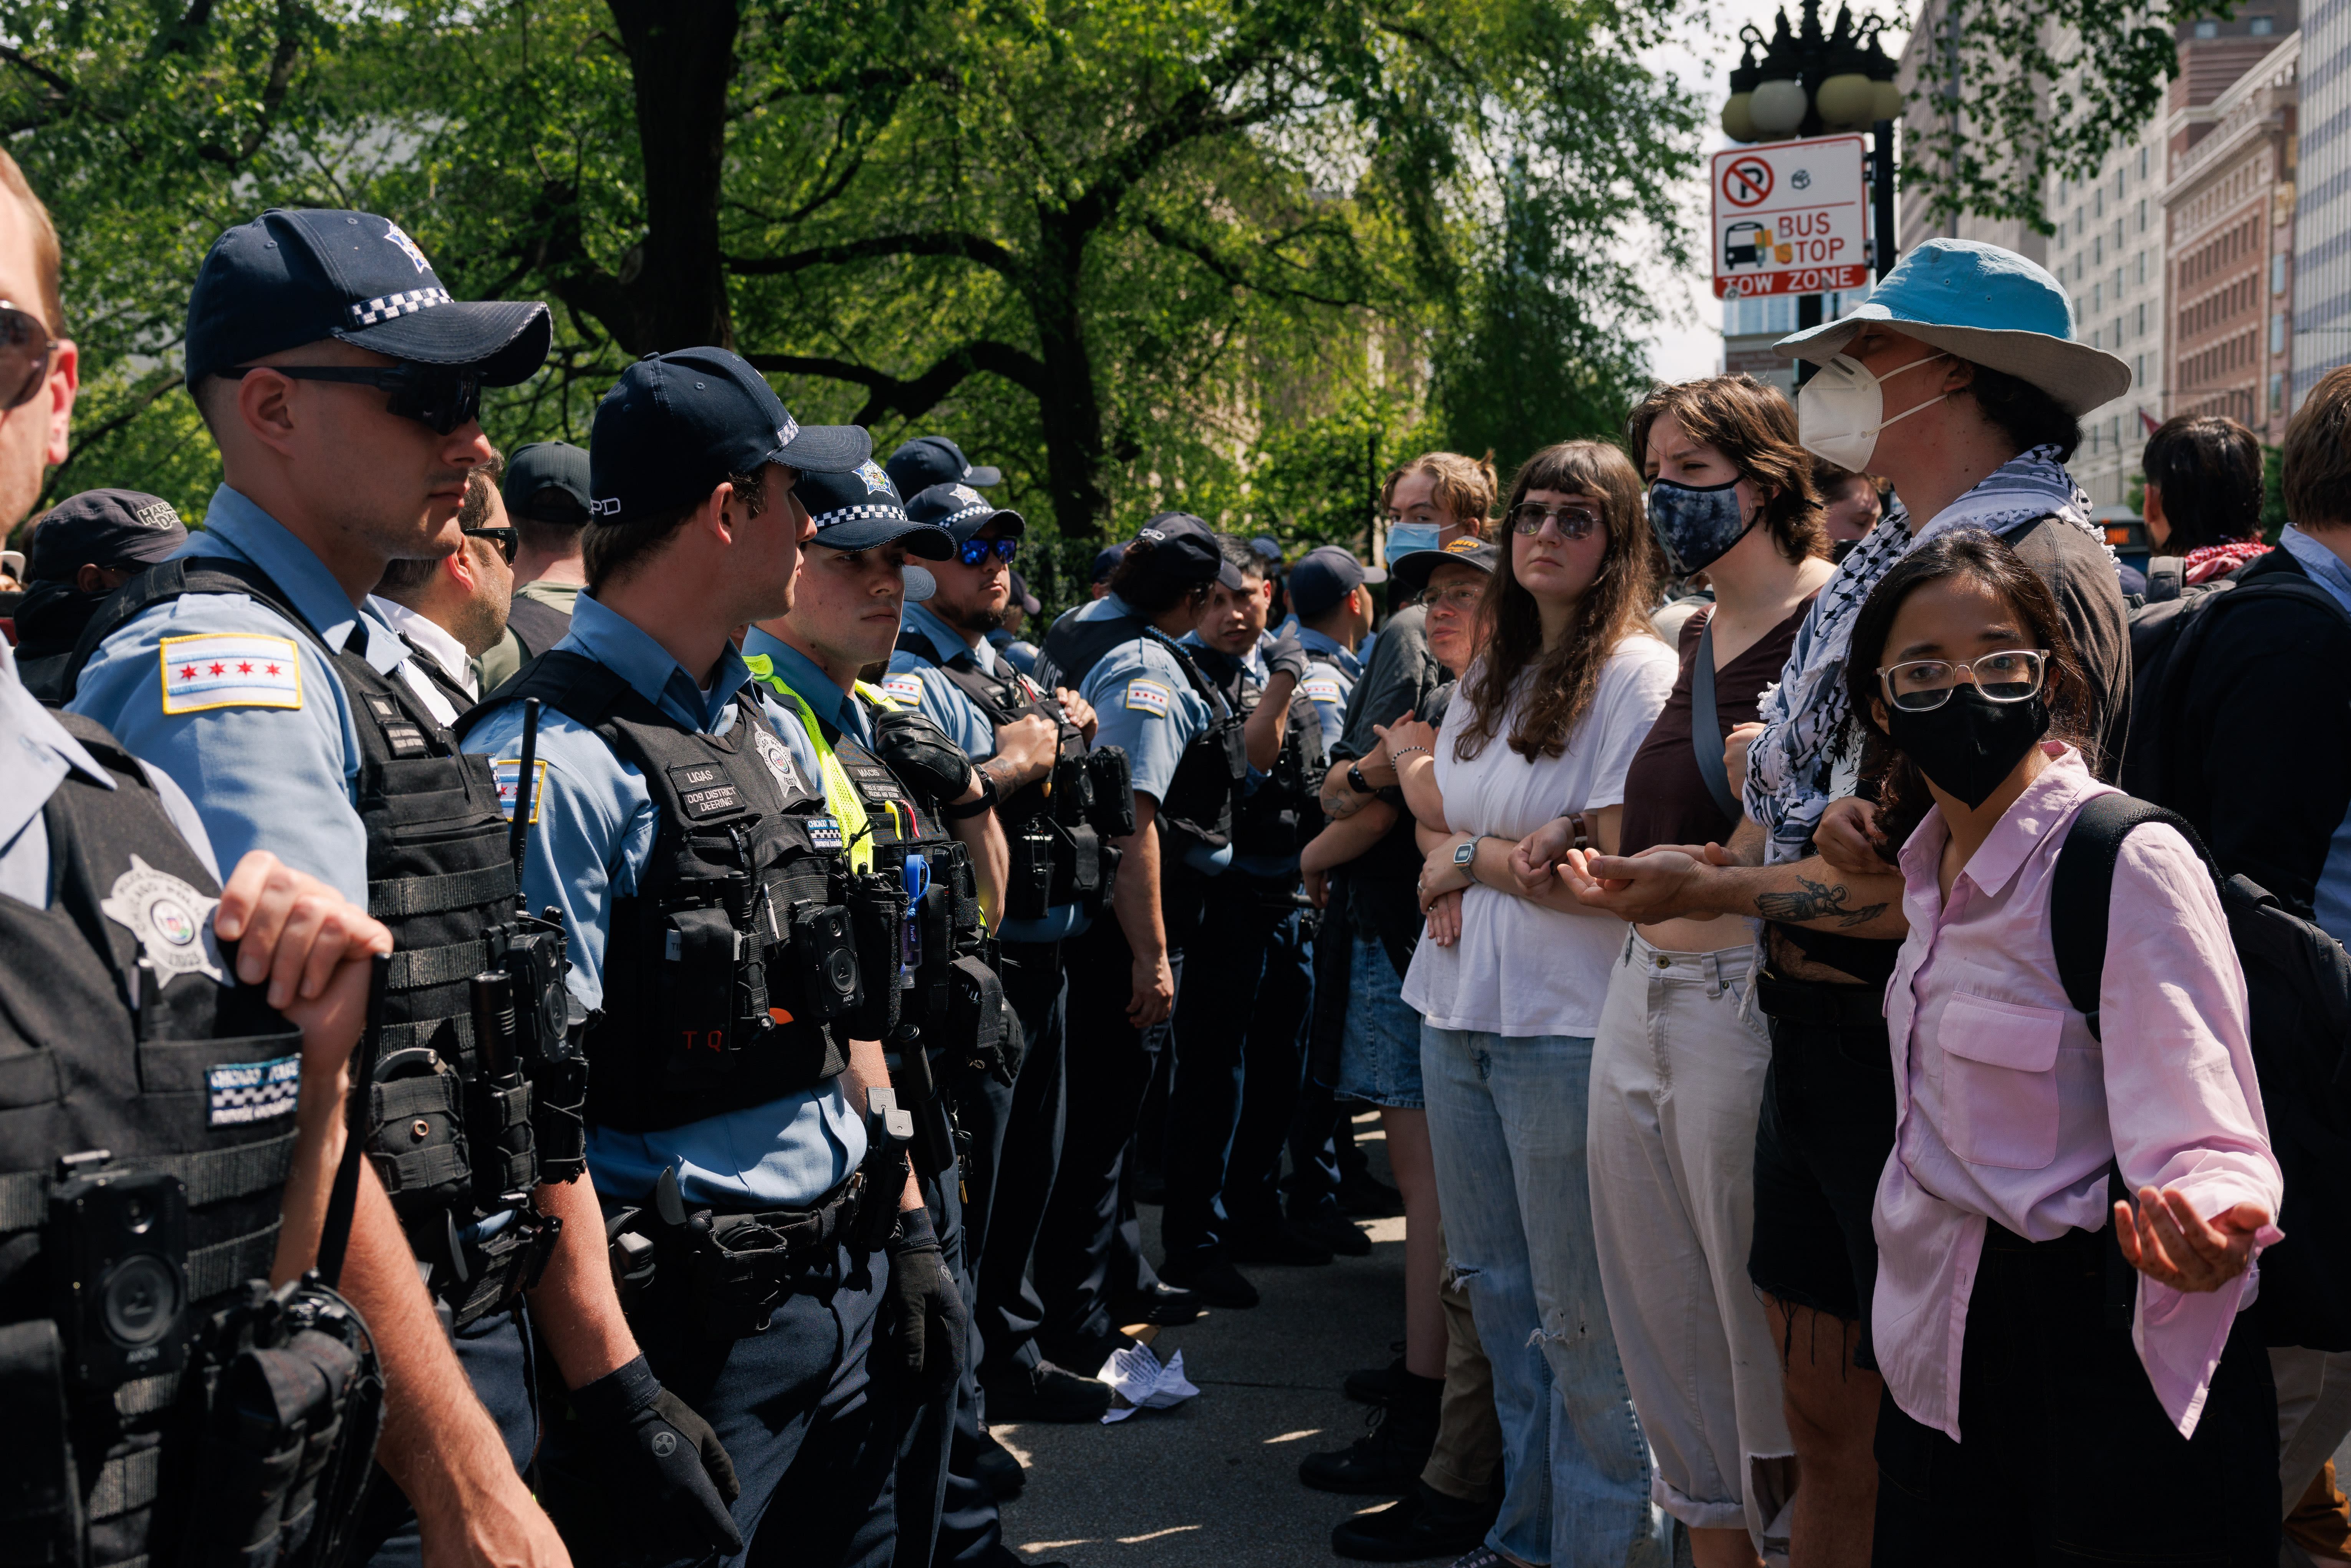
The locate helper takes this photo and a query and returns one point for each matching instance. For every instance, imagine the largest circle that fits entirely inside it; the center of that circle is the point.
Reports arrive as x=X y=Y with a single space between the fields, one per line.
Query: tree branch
x=913 y=398
x=84 y=440
x=1234 y=276
x=273 y=93
x=970 y=246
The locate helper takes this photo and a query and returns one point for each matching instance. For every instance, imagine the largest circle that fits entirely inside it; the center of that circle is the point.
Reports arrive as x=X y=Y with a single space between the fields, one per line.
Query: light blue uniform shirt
x=1332 y=673
x=39 y=753
x=939 y=698
x=2331 y=906
x=828 y=700
x=1142 y=701
x=593 y=840
x=277 y=777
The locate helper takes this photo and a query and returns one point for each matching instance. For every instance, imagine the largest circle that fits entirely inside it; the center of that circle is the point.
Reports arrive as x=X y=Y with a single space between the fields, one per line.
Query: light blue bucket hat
x=1989 y=306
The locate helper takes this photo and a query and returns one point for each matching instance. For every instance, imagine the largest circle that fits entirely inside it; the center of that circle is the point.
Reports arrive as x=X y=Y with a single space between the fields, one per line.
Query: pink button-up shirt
x=2006 y=1106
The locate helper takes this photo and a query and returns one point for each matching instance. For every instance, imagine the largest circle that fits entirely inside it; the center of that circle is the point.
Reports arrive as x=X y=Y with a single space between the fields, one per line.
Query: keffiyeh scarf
x=1807 y=753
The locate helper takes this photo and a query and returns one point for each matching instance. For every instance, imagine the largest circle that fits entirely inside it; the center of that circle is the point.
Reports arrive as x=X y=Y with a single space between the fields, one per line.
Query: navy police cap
x=861 y=510
x=1183 y=548
x=676 y=426
x=929 y=460
x=963 y=512
x=294 y=275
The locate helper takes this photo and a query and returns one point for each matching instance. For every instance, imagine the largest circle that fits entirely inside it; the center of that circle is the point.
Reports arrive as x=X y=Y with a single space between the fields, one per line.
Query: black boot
x=1426 y=1523
x=1383 y=1462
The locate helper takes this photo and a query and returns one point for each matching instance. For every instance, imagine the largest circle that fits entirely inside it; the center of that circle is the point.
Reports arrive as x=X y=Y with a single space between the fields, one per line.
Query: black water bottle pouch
x=40 y=1496
x=701 y=950
x=877 y=918
x=1113 y=815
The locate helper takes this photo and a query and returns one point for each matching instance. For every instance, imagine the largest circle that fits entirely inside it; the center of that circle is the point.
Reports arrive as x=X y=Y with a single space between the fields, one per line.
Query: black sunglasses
x=25 y=349
x=974 y=551
x=433 y=395
x=508 y=540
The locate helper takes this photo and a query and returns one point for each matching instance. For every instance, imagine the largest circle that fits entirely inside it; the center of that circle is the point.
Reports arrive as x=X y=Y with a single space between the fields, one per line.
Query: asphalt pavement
x=1215 y=1480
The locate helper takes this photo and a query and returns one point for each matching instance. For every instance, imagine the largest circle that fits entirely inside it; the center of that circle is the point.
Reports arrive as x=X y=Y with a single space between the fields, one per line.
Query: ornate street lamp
x=1807 y=83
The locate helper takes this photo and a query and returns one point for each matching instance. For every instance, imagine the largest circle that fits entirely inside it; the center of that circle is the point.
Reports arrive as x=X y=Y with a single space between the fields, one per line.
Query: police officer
x=929 y=460
x=1021 y=737
x=744 y=1139
x=86 y=546
x=1330 y=591
x=544 y=496
x=1185 y=745
x=886 y=763
x=341 y=384
x=1241 y=1008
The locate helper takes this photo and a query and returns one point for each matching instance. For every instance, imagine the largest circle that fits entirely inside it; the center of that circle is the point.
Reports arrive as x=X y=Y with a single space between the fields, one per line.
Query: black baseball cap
x=1185 y=549
x=294 y=275
x=859 y=510
x=1023 y=598
x=104 y=528
x=547 y=481
x=1266 y=546
x=929 y=460
x=676 y=426
x=963 y=512
x=1323 y=577
x=1410 y=572
x=1106 y=562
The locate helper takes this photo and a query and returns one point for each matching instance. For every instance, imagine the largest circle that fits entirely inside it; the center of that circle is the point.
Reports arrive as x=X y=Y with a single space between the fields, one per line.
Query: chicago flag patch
x=230 y=669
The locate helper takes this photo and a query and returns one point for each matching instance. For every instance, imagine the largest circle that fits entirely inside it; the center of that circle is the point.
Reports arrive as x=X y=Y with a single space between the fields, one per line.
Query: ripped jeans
x=1507 y=1120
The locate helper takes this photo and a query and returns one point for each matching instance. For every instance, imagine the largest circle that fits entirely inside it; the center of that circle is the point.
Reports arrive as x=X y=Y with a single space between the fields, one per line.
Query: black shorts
x=1821 y=1145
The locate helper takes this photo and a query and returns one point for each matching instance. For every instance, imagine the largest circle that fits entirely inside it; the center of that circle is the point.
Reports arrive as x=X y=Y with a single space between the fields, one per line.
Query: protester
x=84 y=547
x=2002 y=1364
x=1850 y=504
x=1678 y=1064
x=2255 y=754
x=1434 y=501
x=1995 y=385
x=1510 y=987
x=453 y=611
x=2203 y=497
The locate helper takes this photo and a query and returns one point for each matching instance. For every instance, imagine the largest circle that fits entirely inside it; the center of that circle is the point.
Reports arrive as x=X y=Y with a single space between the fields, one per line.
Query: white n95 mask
x=1841 y=409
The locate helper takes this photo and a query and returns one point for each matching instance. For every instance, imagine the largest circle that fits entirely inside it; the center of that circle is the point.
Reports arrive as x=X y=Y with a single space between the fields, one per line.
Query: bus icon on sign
x=1746 y=244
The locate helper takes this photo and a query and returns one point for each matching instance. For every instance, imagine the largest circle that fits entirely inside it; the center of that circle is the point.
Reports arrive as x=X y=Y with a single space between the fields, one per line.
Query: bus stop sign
x=1790 y=217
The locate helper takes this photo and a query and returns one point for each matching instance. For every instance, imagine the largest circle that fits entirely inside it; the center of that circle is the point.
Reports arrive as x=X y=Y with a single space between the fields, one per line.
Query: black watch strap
x=1357 y=782
x=973 y=809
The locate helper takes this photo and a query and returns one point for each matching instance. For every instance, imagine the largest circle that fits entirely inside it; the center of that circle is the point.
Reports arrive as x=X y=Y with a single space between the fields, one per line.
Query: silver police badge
x=173 y=921
x=779 y=761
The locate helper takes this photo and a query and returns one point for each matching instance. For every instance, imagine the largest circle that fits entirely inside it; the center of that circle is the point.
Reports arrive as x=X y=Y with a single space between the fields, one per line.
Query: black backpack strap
x=1706 y=727
x=572 y=684
x=2082 y=891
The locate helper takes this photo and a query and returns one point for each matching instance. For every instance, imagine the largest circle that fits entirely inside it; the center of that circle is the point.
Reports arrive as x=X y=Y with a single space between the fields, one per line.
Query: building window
x=2098 y=250
x=2142 y=175
x=2277 y=391
x=2208 y=29
x=2098 y=203
x=2263 y=27
x=2097 y=297
x=2277 y=332
x=2139 y=319
x=2277 y=273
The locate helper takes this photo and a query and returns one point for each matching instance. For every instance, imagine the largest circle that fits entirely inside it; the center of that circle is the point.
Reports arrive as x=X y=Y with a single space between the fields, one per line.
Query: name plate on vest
x=876 y=783
x=704 y=791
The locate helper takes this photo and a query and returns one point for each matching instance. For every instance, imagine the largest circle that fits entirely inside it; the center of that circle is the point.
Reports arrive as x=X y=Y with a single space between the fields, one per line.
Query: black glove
x=665 y=1459
x=921 y=755
x=1287 y=653
x=934 y=1325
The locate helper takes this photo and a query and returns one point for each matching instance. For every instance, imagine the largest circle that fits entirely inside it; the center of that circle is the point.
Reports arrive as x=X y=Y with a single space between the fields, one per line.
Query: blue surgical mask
x=1406 y=538
x=1697 y=526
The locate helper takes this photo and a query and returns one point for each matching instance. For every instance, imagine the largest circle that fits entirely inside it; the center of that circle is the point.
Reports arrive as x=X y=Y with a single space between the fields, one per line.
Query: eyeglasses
x=508 y=540
x=976 y=552
x=433 y=395
x=25 y=349
x=1576 y=522
x=1462 y=598
x=1923 y=686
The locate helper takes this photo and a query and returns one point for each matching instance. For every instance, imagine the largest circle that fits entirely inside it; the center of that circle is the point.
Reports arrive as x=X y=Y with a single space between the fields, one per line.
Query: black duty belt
x=1824 y=1004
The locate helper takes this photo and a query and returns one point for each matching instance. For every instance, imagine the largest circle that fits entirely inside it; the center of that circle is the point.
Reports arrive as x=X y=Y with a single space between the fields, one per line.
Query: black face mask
x=1967 y=746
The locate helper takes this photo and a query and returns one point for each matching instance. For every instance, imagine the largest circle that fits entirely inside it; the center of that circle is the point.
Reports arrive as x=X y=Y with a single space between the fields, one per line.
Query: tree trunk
x=1069 y=410
x=682 y=56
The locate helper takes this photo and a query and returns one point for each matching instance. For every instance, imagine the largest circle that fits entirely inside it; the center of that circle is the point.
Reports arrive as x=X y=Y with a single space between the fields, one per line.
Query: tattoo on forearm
x=1344 y=804
x=1818 y=901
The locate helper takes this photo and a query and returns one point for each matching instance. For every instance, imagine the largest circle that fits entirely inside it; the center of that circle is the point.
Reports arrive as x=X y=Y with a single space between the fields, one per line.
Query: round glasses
x=976 y=552
x=1923 y=686
x=1575 y=520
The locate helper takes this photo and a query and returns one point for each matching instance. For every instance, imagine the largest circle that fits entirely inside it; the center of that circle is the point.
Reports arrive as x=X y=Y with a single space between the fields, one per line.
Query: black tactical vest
x=453 y=1152
x=113 y=1038
x=1056 y=829
x=1198 y=807
x=730 y=970
x=1284 y=811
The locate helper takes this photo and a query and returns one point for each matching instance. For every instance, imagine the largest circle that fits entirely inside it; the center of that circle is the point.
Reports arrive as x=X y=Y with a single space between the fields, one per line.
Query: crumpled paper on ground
x=1139 y=1381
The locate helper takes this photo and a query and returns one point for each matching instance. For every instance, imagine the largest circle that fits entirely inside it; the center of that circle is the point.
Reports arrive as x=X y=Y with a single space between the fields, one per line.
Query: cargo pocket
x=2000 y=1086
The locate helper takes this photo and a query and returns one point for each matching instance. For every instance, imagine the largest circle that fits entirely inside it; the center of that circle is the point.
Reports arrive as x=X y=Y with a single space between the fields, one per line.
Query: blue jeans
x=1506 y=1119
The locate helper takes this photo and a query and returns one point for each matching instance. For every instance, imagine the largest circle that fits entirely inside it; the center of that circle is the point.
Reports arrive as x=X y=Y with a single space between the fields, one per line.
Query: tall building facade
x=2322 y=257
x=2108 y=251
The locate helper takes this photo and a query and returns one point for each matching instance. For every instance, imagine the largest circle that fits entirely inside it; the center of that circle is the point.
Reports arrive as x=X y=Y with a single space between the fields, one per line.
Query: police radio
x=548 y=1022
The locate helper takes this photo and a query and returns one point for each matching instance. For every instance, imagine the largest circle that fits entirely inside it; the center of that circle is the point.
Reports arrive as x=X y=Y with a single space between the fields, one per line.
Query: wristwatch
x=1357 y=782
x=1465 y=855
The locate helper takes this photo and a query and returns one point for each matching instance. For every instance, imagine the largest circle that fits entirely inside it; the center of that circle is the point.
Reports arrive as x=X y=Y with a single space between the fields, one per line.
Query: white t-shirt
x=1520 y=969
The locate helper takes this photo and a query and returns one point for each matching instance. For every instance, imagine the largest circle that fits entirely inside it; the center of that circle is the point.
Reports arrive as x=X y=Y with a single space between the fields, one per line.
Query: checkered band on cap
x=385 y=307
x=965 y=514
x=863 y=512
x=788 y=431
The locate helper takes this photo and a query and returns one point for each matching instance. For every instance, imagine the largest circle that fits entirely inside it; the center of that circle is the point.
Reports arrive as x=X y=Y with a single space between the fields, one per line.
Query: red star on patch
x=187 y=671
x=273 y=669
x=244 y=669
x=217 y=668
